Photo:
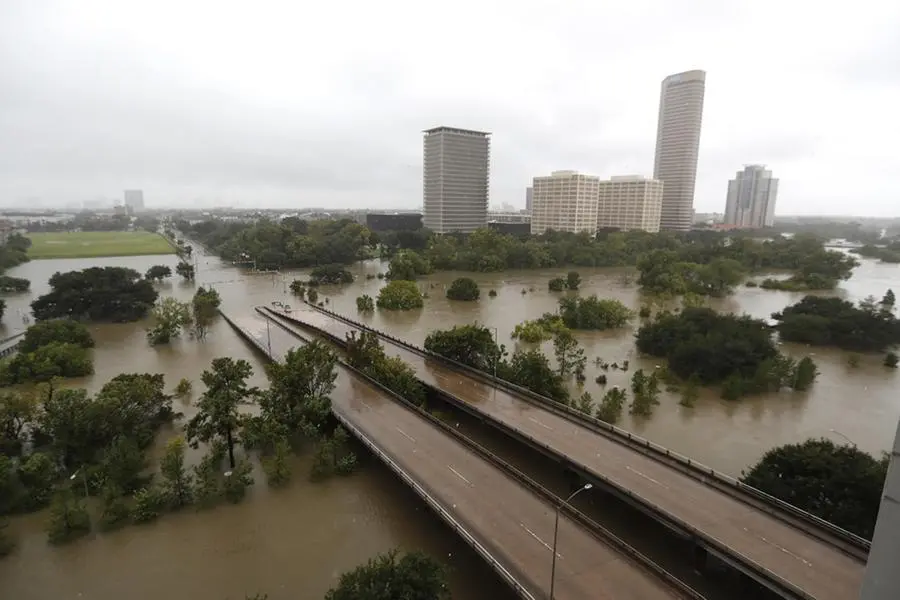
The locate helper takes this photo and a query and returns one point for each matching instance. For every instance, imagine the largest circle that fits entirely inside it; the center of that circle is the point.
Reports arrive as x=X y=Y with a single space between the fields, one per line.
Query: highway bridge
x=791 y=552
x=507 y=518
x=9 y=345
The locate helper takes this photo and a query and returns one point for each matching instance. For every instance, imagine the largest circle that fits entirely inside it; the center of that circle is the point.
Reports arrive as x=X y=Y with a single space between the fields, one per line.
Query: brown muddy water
x=293 y=543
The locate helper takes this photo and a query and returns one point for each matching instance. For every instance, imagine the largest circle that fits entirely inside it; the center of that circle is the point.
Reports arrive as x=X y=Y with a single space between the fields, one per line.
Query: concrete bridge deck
x=508 y=523
x=781 y=556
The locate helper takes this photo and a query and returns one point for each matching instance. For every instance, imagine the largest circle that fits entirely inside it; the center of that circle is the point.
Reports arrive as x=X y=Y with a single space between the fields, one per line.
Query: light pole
x=835 y=431
x=83 y=478
x=559 y=508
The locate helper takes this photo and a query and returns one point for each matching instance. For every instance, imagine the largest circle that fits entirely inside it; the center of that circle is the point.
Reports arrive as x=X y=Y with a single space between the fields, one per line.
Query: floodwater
x=293 y=543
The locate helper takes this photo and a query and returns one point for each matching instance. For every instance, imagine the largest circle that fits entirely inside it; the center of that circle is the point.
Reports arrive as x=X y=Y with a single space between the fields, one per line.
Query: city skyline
x=96 y=100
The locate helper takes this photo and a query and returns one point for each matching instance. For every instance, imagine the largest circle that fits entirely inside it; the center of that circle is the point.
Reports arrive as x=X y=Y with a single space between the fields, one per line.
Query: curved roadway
x=509 y=519
x=818 y=569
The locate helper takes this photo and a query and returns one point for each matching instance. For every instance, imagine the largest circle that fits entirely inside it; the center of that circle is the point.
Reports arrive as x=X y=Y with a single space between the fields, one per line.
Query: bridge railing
x=10 y=344
x=847 y=541
x=601 y=533
x=428 y=497
x=728 y=554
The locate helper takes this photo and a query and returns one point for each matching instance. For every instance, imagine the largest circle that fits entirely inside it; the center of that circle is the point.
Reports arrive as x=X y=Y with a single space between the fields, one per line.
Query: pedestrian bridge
x=507 y=518
x=791 y=552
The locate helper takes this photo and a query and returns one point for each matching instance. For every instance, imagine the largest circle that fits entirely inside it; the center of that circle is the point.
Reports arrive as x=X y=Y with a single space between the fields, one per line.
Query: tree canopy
x=463 y=288
x=290 y=243
x=593 y=313
x=720 y=348
x=870 y=326
x=158 y=272
x=392 y=576
x=114 y=294
x=837 y=483
x=14 y=284
x=330 y=274
x=400 y=295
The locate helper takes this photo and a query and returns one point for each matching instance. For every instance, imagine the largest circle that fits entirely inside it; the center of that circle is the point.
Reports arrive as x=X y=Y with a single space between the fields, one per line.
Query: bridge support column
x=700 y=558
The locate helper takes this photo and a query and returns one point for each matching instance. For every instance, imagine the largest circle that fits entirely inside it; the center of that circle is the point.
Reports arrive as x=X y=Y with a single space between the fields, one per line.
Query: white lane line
x=647 y=477
x=785 y=550
x=542 y=542
x=367 y=405
x=406 y=435
x=544 y=425
x=458 y=474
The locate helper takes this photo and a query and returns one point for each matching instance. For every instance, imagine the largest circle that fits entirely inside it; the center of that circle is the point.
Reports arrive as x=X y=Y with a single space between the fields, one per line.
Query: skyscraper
x=134 y=200
x=630 y=202
x=565 y=201
x=677 y=146
x=456 y=179
x=751 y=198
x=529 y=192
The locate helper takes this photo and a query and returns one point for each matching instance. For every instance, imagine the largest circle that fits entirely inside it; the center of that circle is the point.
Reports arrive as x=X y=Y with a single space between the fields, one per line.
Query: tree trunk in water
x=230 y=449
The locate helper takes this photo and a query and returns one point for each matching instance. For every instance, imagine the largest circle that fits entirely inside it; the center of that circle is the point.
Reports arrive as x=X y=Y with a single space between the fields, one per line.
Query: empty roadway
x=510 y=520
x=813 y=566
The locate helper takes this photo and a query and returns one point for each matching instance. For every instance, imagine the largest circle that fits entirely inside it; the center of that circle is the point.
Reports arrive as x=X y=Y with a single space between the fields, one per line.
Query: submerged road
x=511 y=521
x=754 y=538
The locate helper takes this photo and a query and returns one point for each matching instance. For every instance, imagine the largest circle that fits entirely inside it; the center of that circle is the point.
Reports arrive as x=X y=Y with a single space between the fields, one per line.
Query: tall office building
x=678 y=145
x=134 y=200
x=751 y=198
x=456 y=179
x=529 y=192
x=630 y=202
x=564 y=201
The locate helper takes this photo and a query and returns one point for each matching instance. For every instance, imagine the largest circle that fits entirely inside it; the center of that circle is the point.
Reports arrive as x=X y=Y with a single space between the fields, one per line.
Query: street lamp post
x=835 y=431
x=559 y=508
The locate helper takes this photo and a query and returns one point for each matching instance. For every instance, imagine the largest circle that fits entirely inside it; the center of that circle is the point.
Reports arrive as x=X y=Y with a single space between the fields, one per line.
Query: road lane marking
x=542 y=542
x=544 y=425
x=458 y=474
x=367 y=405
x=785 y=550
x=647 y=477
x=406 y=435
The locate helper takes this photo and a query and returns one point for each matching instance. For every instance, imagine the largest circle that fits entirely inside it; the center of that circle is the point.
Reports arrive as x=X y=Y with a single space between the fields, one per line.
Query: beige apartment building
x=564 y=201
x=678 y=146
x=630 y=202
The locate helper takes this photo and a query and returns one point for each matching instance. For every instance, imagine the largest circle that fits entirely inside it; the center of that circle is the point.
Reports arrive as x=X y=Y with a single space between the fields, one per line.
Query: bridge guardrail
x=600 y=532
x=847 y=541
x=409 y=480
x=718 y=547
x=7 y=350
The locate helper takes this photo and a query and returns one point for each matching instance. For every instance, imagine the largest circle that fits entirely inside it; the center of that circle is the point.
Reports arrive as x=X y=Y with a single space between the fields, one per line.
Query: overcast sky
x=302 y=103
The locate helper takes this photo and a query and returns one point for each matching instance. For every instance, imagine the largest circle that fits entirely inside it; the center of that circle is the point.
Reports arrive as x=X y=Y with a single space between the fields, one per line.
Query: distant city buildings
x=456 y=179
x=394 y=222
x=750 y=203
x=529 y=192
x=564 y=201
x=630 y=202
x=678 y=145
x=134 y=200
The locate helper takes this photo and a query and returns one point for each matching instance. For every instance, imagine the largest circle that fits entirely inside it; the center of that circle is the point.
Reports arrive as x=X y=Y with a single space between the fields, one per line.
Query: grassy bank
x=92 y=244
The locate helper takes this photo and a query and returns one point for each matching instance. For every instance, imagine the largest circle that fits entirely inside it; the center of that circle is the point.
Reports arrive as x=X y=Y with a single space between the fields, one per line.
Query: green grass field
x=92 y=244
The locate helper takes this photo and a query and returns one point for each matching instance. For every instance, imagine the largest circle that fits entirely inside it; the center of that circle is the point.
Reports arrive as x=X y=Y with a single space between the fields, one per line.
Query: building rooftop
x=443 y=128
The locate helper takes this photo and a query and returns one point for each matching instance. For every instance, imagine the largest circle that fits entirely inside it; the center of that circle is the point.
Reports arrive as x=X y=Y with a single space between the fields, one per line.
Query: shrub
x=400 y=294
x=463 y=288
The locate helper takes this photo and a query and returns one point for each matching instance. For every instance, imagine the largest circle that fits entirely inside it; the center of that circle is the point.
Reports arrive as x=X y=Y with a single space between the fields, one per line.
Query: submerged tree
x=218 y=417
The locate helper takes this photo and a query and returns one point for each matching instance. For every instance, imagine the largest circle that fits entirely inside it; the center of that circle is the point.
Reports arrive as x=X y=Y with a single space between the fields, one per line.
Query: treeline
x=889 y=253
x=12 y=254
x=58 y=446
x=290 y=243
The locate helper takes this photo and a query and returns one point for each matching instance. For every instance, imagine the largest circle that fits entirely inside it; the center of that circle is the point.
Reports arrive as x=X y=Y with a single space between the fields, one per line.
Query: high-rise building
x=456 y=179
x=882 y=580
x=630 y=202
x=564 y=201
x=134 y=200
x=678 y=145
x=751 y=198
x=529 y=193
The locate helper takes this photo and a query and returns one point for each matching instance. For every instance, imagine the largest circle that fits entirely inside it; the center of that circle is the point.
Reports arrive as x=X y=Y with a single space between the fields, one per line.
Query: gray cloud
x=281 y=105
